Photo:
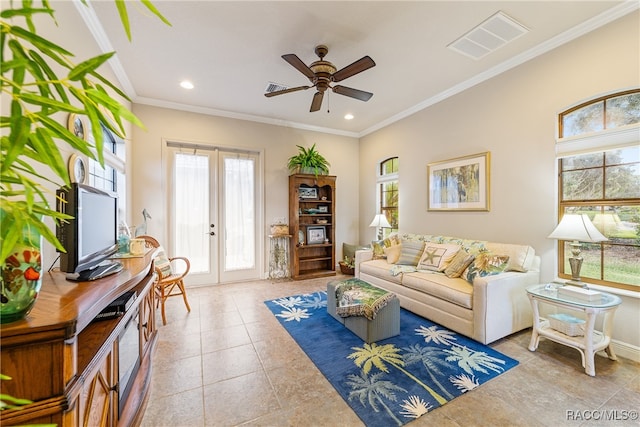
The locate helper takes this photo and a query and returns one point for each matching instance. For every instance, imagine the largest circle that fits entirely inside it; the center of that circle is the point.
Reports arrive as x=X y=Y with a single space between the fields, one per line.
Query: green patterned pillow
x=486 y=264
x=410 y=253
x=378 y=249
x=161 y=262
x=379 y=246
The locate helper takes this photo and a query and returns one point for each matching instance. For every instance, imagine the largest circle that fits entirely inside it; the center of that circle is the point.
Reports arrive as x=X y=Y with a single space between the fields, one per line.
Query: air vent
x=274 y=87
x=490 y=35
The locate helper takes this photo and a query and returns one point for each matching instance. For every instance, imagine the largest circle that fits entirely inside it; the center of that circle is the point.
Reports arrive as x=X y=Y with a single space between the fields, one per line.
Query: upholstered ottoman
x=385 y=324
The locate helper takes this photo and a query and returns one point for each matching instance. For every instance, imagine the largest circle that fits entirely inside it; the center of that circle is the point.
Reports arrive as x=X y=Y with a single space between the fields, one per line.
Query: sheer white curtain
x=239 y=212
x=191 y=210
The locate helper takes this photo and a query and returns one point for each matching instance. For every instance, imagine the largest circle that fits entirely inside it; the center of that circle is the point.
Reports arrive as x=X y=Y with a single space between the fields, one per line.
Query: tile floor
x=230 y=363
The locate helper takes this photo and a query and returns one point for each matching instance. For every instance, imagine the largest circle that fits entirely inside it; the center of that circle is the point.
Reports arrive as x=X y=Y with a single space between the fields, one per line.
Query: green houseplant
x=308 y=160
x=36 y=97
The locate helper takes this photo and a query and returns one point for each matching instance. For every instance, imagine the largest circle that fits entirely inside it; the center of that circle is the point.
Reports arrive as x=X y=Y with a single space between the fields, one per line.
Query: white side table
x=592 y=341
x=279 y=256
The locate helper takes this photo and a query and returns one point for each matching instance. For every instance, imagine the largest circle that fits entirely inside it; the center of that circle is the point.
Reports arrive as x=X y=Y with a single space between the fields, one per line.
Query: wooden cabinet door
x=147 y=317
x=97 y=403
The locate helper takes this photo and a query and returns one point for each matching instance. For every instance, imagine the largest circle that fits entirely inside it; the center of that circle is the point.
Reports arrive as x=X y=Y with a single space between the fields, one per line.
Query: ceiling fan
x=322 y=73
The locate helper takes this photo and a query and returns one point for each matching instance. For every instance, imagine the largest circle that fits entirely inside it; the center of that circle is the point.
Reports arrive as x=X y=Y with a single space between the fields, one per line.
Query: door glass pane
x=191 y=198
x=239 y=213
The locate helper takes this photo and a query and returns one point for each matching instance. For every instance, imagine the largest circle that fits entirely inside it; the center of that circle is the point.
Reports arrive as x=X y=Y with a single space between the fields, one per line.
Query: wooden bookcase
x=311 y=214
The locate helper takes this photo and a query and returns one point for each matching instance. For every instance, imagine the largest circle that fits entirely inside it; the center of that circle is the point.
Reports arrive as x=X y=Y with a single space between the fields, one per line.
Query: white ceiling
x=231 y=50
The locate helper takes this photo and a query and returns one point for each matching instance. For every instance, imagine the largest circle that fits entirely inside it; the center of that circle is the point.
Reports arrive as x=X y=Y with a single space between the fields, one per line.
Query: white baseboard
x=626 y=350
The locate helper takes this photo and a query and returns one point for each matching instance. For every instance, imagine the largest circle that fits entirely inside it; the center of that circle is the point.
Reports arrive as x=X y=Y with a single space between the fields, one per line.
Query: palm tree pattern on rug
x=396 y=380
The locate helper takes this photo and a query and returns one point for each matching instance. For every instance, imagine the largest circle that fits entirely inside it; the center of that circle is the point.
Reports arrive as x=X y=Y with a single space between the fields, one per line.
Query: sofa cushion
x=378 y=249
x=393 y=253
x=410 y=252
x=378 y=246
x=486 y=264
x=456 y=291
x=436 y=257
x=380 y=268
x=459 y=263
x=520 y=256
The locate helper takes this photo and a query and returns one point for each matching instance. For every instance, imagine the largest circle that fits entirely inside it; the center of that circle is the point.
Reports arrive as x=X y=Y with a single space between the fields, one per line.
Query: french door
x=215 y=217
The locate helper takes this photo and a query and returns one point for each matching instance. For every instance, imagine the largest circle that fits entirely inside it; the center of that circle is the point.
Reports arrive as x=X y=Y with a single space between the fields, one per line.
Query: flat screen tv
x=90 y=238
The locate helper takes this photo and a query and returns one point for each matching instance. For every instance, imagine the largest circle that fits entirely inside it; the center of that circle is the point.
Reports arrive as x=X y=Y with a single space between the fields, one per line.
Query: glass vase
x=21 y=277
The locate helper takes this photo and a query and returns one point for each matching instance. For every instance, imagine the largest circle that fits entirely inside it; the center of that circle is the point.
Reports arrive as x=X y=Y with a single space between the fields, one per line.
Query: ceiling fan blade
x=353 y=93
x=316 y=104
x=359 y=66
x=297 y=63
x=282 y=92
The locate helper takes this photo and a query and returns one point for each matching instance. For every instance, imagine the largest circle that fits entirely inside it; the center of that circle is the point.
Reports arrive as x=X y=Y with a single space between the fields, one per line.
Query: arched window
x=387 y=183
x=598 y=152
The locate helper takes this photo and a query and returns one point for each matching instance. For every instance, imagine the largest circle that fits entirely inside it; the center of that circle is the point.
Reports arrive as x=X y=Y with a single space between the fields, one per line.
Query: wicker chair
x=168 y=282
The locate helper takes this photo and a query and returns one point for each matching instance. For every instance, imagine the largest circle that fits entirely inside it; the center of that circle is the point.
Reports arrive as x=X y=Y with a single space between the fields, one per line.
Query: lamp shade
x=380 y=221
x=577 y=227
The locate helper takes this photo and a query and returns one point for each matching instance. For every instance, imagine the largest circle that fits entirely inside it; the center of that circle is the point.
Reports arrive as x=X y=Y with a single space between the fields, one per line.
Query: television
x=90 y=238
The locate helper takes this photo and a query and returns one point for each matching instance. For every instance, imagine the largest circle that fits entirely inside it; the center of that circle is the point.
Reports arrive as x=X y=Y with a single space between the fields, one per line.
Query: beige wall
x=514 y=117
x=278 y=143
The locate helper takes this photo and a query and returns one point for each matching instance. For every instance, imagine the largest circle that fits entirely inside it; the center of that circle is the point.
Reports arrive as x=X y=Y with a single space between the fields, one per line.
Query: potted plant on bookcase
x=32 y=136
x=308 y=161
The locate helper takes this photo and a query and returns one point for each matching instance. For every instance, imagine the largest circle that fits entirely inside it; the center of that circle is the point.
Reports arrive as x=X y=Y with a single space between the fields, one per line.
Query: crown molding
x=239 y=116
x=87 y=13
x=586 y=27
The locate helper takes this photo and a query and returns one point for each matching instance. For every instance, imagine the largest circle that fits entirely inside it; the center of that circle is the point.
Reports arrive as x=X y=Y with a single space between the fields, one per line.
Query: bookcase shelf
x=309 y=257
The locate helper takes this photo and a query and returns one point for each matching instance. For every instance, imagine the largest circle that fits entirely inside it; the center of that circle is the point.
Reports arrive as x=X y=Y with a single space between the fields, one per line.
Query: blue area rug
x=393 y=381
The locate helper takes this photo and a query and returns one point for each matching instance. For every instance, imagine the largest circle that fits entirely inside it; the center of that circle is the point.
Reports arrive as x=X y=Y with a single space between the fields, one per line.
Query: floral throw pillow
x=379 y=246
x=486 y=264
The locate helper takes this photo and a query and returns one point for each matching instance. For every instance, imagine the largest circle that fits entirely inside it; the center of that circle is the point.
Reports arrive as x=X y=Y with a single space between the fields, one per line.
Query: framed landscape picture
x=460 y=184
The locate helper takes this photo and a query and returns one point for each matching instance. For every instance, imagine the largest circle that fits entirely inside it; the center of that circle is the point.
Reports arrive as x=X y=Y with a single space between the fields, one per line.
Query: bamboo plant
x=31 y=134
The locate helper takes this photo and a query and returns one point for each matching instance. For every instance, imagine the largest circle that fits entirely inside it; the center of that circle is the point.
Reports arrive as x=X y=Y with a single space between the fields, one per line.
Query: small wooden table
x=592 y=341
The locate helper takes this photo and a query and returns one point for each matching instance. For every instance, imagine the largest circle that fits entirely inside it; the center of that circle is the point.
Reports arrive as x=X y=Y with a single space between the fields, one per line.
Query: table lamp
x=379 y=221
x=576 y=228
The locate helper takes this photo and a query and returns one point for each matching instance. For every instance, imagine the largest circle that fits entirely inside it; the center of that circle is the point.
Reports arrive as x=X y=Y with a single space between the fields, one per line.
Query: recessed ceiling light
x=186 y=84
x=348 y=117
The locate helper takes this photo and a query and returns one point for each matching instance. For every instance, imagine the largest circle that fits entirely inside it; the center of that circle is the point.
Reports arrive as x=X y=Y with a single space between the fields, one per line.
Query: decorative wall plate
x=76 y=124
x=78 y=171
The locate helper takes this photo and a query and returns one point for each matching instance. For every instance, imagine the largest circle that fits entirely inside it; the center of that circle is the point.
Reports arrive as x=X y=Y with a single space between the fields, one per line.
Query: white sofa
x=491 y=308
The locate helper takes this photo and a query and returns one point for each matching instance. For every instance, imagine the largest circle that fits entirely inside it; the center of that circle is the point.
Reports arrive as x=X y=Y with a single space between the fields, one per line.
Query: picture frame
x=323 y=208
x=459 y=184
x=315 y=235
x=308 y=193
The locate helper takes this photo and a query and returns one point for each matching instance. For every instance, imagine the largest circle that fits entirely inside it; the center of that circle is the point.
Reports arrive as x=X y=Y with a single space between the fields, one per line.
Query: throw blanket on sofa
x=355 y=297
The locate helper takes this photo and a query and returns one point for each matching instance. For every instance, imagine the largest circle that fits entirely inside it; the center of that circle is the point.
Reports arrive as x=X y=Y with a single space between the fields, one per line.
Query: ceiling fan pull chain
x=328 y=102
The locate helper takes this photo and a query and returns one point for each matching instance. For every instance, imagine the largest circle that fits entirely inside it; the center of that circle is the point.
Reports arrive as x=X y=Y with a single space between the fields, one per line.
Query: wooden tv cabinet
x=67 y=364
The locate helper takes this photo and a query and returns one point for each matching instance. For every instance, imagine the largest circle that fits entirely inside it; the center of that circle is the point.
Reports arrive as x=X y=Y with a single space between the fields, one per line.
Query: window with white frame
x=112 y=176
x=598 y=152
x=387 y=183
